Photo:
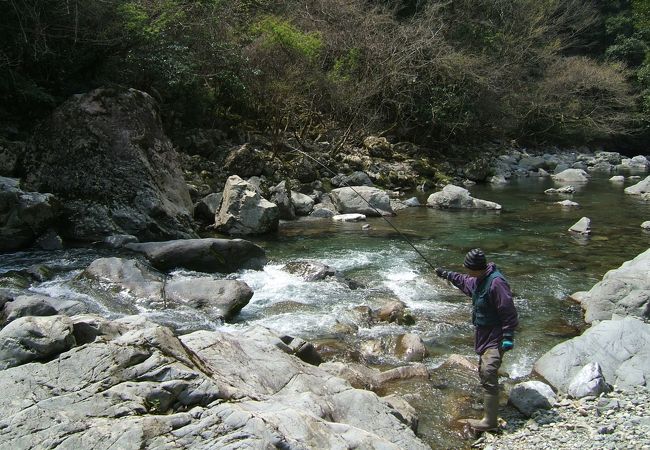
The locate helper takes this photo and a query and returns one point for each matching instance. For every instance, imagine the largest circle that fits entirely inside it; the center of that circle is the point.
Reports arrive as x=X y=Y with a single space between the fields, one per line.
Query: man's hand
x=508 y=342
x=442 y=273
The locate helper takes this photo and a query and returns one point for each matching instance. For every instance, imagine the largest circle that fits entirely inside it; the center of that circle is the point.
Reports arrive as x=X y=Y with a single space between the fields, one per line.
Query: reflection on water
x=528 y=240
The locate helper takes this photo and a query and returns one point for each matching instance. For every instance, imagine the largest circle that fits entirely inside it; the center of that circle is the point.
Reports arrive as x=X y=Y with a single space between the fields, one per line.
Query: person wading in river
x=495 y=318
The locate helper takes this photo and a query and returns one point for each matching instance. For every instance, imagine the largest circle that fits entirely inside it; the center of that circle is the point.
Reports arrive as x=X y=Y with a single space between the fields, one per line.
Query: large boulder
x=365 y=200
x=105 y=155
x=203 y=255
x=622 y=292
x=24 y=215
x=244 y=211
x=455 y=197
x=217 y=299
x=642 y=187
x=135 y=385
x=620 y=347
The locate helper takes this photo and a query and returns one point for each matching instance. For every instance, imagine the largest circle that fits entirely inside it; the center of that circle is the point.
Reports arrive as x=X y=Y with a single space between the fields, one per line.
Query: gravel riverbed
x=616 y=420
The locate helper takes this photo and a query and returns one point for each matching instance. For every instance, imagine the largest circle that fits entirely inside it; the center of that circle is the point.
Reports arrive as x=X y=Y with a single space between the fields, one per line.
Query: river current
x=528 y=240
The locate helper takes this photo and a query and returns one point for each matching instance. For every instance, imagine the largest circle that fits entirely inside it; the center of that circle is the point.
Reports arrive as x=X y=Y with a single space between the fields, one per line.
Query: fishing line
x=368 y=203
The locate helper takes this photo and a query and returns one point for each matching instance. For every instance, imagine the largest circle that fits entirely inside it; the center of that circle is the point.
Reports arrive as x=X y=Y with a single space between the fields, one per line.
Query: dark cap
x=475 y=259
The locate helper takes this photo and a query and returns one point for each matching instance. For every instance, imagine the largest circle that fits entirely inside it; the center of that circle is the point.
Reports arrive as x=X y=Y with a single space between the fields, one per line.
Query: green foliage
x=276 y=31
x=346 y=66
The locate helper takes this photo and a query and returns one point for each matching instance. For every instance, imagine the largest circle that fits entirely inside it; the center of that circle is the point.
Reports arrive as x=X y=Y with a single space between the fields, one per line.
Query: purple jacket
x=501 y=299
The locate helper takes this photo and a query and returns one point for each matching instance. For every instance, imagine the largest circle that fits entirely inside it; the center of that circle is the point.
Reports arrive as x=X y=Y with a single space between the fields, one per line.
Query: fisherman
x=495 y=318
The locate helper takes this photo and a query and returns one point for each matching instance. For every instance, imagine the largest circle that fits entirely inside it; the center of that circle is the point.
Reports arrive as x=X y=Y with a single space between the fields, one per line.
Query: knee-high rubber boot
x=491 y=413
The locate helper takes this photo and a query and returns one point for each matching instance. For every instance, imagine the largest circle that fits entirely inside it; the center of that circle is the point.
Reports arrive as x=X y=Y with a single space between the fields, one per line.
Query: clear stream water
x=528 y=240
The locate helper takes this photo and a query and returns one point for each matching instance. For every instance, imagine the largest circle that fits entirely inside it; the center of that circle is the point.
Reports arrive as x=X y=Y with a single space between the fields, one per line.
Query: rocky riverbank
x=616 y=420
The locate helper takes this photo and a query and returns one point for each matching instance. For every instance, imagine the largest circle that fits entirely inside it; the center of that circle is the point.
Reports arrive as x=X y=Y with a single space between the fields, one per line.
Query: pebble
x=612 y=421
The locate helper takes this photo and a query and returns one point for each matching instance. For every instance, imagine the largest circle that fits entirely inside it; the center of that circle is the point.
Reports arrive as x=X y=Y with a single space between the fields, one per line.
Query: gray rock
x=582 y=226
x=9 y=154
x=572 y=176
x=357 y=178
x=563 y=190
x=617 y=179
x=50 y=240
x=601 y=167
x=349 y=217
x=588 y=381
x=31 y=338
x=105 y=154
x=303 y=204
x=320 y=212
x=243 y=211
x=281 y=196
x=217 y=299
x=203 y=255
x=378 y=146
x=410 y=347
x=24 y=215
x=637 y=164
x=622 y=292
x=531 y=396
x=642 y=187
x=646 y=225
x=119 y=240
x=245 y=161
x=455 y=197
x=129 y=274
x=27 y=306
x=206 y=208
x=620 y=347
x=310 y=270
x=609 y=157
x=365 y=200
x=568 y=204
x=412 y=202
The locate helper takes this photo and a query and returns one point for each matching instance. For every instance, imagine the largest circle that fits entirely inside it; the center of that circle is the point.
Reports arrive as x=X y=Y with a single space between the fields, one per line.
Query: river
x=528 y=240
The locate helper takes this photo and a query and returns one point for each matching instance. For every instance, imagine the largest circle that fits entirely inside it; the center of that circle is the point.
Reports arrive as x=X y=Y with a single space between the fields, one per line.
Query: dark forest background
x=438 y=73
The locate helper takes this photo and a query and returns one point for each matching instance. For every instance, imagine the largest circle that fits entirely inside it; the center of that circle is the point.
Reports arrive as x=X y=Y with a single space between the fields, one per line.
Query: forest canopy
x=434 y=72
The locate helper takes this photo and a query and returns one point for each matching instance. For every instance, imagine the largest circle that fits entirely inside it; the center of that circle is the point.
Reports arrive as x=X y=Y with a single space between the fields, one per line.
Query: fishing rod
x=367 y=202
